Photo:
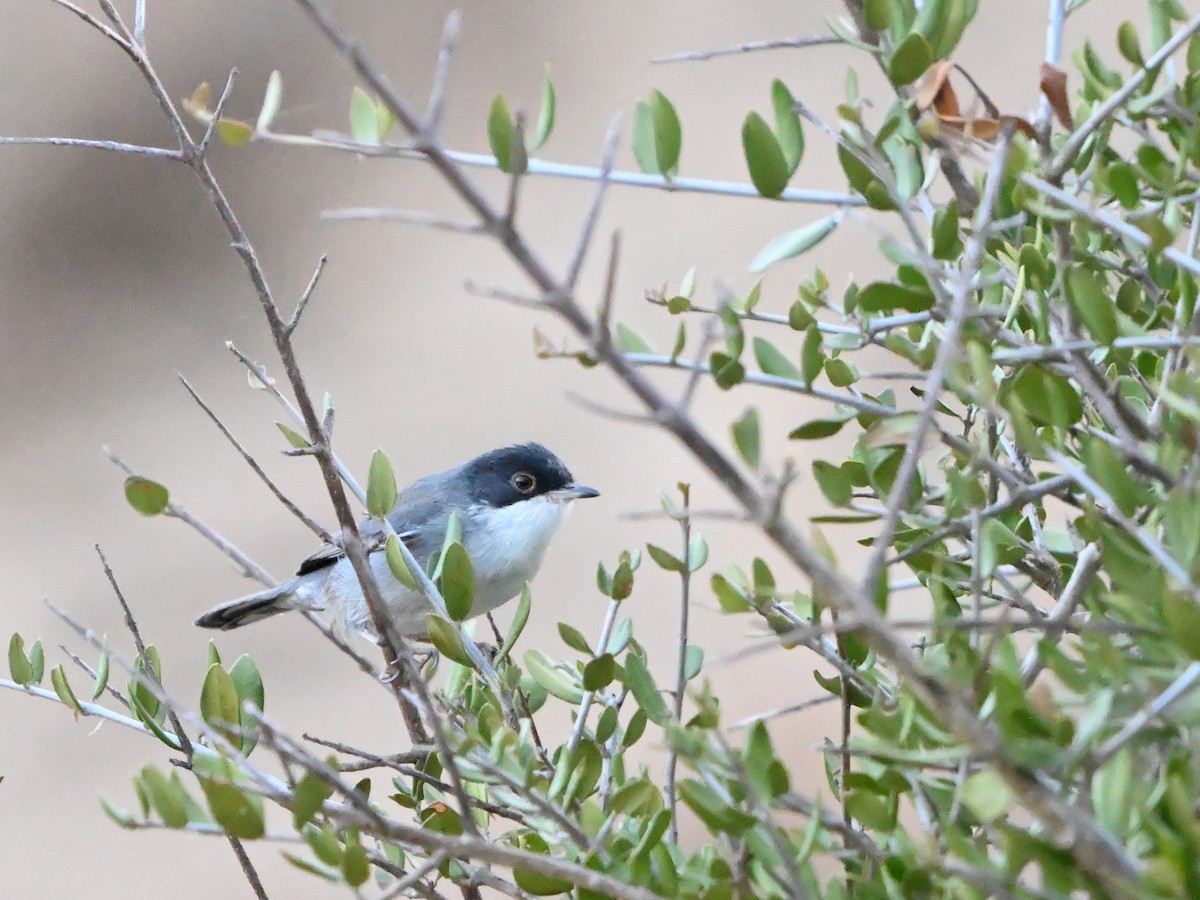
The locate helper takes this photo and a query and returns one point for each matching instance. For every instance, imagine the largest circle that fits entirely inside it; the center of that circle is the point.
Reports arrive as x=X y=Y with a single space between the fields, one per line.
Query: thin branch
x=109 y=689
x=610 y=618
x=131 y=625
x=114 y=146
x=437 y=95
x=593 y=214
x=268 y=383
x=410 y=216
x=291 y=507
x=239 y=851
x=97 y=24
x=211 y=129
x=1087 y=563
x=1075 y=141
x=750 y=47
x=248 y=567
x=1109 y=221
x=946 y=355
x=302 y=303
x=1159 y=706
x=685 y=579
x=1054 y=40
x=545 y=168
x=139 y=23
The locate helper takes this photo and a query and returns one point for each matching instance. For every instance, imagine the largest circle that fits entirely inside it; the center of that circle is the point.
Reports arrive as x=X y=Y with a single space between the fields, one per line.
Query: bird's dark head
x=509 y=475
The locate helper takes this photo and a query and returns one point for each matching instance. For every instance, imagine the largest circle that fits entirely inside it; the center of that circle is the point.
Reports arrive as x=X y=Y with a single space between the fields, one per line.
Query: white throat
x=506 y=544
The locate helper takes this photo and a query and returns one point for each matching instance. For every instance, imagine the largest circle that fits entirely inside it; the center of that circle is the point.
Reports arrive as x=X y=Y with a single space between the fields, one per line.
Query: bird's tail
x=243 y=611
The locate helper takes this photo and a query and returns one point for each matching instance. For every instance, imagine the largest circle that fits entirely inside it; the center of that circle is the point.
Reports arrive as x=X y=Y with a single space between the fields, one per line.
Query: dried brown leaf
x=1053 y=81
x=984 y=129
x=934 y=90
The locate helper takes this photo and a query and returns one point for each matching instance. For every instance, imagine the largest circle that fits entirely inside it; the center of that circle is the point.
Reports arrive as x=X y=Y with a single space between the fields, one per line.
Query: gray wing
x=419 y=521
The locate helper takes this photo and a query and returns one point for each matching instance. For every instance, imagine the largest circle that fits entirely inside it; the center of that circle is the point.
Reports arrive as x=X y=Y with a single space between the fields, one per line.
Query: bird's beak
x=574 y=492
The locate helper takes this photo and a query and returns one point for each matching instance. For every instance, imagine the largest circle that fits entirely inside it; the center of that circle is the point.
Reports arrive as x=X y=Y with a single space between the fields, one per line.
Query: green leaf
x=241 y=815
x=62 y=687
x=364 y=118
x=812 y=359
x=539 y=884
x=817 y=429
x=295 y=439
x=219 y=702
x=1123 y=182
x=553 y=679
x=787 y=125
x=693 y=661
x=545 y=122
x=18 y=663
x=598 y=673
x=396 y=563
x=629 y=341
x=1092 y=303
x=668 y=133
x=356 y=869
x=445 y=636
x=1047 y=397
x=164 y=797
x=381 y=485
x=248 y=684
x=101 y=675
x=574 y=639
x=840 y=373
x=501 y=133
x=697 y=552
x=641 y=683
x=772 y=361
x=877 y=14
x=665 y=559
x=882 y=295
x=520 y=619
x=716 y=813
x=986 y=795
x=833 y=482
x=794 y=243
x=458 y=582
x=37 y=663
x=234 y=132
x=148 y=497
x=643 y=139
x=946 y=243
x=271 y=100
x=910 y=60
x=764 y=157
x=747 y=437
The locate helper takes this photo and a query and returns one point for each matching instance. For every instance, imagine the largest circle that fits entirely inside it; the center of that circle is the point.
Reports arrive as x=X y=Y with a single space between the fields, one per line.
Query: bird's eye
x=524 y=482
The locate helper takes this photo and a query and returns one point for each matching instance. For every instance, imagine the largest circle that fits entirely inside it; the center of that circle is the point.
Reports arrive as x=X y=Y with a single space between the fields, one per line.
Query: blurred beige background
x=115 y=274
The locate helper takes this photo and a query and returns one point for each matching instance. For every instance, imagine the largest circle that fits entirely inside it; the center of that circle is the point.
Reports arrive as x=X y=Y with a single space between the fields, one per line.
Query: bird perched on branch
x=510 y=502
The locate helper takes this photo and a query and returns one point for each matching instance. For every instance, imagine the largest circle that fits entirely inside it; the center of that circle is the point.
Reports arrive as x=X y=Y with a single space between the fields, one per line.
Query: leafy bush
x=1035 y=483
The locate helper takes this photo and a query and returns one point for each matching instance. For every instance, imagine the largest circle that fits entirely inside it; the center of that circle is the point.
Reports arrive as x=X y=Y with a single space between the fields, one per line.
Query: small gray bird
x=511 y=501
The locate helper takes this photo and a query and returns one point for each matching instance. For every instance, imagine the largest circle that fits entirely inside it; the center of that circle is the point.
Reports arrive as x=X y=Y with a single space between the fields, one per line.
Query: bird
x=510 y=501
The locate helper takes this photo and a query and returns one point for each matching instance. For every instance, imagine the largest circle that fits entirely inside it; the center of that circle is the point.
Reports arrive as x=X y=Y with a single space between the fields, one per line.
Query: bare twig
x=593 y=215
x=211 y=129
x=1086 y=565
x=302 y=303
x=257 y=469
x=750 y=47
x=677 y=696
x=1159 y=706
x=437 y=95
x=113 y=146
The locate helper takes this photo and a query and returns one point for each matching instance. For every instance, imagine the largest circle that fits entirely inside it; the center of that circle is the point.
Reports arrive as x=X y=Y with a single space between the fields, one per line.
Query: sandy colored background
x=115 y=274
